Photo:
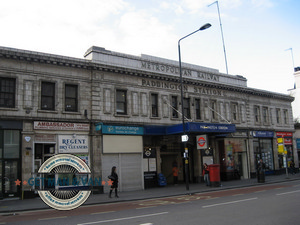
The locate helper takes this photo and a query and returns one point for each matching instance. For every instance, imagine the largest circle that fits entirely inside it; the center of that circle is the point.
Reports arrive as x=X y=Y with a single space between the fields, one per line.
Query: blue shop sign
x=125 y=130
x=298 y=143
x=264 y=134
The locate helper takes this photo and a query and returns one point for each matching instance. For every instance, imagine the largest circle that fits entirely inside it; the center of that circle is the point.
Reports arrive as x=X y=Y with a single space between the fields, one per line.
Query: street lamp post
x=184 y=136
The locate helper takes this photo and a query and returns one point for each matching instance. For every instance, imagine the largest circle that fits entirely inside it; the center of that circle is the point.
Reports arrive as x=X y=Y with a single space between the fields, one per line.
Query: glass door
x=10 y=175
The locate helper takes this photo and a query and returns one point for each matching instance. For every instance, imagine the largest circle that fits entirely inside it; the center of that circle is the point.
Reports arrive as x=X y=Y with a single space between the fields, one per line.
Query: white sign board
x=73 y=144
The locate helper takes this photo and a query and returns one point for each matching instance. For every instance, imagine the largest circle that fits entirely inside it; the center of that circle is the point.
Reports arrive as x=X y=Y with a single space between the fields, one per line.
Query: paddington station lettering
x=174 y=86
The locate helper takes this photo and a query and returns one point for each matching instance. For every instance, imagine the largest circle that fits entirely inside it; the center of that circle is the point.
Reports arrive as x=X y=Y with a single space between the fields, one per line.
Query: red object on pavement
x=214 y=174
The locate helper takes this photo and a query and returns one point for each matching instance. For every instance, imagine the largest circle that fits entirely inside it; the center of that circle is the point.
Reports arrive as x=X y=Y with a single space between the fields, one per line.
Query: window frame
x=121 y=102
x=198 y=109
x=257 y=117
x=75 y=108
x=174 y=102
x=154 y=105
x=9 y=96
x=47 y=97
x=187 y=107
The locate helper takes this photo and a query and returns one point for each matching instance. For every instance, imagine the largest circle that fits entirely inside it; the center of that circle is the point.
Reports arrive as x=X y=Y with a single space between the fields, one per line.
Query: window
x=186 y=108
x=174 y=107
x=256 y=114
x=234 y=111
x=213 y=110
x=154 y=105
x=278 y=116
x=265 y=115
x=198 y=109
x=121 y=102
x=71 y=98
x=48 y=96
x=285 y=116
x=7 y=92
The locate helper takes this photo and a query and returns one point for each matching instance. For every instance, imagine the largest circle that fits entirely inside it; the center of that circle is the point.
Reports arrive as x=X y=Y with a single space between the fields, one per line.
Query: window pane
x=48 y=96
x=186 y=106
x=121 y=102
x=11 y=144
x=154 y=100
x=174 y=105
x=71 y=99
x=7 y=92
x=197 y=107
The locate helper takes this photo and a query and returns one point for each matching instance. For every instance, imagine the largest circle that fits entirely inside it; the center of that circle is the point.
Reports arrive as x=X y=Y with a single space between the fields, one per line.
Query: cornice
x=58 y=60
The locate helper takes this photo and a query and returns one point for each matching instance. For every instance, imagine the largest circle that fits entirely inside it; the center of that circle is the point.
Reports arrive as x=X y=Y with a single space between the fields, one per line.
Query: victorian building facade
x=113 y=109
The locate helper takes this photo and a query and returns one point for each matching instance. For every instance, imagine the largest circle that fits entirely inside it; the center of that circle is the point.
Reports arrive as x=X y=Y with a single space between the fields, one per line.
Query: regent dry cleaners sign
x=73 y=143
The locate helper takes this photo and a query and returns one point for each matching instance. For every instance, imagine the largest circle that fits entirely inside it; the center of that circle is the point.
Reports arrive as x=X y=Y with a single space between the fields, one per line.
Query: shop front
x=234 y=160
x=285 y=149
x=263 y=149
x=202 y=144
x=10 y=155
x=122 y=146
x=52 y=138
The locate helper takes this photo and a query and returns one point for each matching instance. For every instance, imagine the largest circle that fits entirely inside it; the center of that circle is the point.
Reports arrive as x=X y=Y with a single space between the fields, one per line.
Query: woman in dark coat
x=115 y=181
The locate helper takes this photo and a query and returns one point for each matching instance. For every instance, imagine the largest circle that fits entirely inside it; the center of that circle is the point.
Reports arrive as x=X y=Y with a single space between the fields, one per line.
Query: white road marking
x=53 y=218
x=226 y=203
x=102 y=212
x=290 y=192
x=124 y=218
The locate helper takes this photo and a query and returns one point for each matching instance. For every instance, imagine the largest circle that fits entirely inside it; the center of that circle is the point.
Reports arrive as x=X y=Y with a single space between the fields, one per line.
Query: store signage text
x=175 y=70
x=174 y=86
x=129 y=130
x=69 y=144
x=39 y=125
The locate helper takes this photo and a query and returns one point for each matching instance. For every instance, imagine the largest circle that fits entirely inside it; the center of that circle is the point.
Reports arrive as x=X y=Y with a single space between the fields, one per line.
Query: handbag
x=111 y=177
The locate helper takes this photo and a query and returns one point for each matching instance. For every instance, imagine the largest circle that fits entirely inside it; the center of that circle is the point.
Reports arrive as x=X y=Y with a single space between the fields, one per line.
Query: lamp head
x=205 y=26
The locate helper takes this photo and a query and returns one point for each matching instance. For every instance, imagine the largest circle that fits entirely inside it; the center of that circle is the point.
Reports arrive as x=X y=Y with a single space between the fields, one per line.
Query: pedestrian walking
x=206 y=174
x=292 y=167
x=115 y=180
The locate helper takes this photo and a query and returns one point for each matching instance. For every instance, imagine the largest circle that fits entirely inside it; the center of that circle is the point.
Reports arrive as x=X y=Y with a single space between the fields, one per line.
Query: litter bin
x=261 y=176
x=214 y=175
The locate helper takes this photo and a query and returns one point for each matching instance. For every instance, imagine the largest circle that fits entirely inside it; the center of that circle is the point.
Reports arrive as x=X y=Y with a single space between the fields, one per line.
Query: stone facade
x=213 y=98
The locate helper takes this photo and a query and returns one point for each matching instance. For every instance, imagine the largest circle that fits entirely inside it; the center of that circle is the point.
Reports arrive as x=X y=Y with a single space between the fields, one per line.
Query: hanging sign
x=202 y=141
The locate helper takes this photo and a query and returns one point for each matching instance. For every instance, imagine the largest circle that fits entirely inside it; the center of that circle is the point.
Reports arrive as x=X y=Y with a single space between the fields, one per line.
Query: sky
x=261 y=37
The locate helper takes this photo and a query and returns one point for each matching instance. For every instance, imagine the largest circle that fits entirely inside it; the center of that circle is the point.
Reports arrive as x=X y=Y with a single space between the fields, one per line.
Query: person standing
x=206 y=174
x=115 y=180
x=175 y=171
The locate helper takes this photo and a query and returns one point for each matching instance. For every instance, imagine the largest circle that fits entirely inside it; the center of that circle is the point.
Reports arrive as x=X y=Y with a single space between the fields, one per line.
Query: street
x=275 y=204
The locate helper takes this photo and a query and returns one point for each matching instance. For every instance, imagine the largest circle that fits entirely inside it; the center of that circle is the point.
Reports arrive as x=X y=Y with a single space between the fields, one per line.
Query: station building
x=114 y=109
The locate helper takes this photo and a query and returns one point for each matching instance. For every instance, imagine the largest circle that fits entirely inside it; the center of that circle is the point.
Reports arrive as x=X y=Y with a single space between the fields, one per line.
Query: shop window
x=263 y=149
x=154 y=105
x=265 y=113
x=285 y=116
x=174 y=107
x=44 y=151
x=48 y=96
x=257 y=114
x=121 y=102
x=7 y=92
x=186 y=108
x=198 y=109
x=71 y=98
x=278 y=116
x=11 y=144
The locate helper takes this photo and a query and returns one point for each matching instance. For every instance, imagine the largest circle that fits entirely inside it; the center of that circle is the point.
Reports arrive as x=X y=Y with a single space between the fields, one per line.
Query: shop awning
x=190 y=127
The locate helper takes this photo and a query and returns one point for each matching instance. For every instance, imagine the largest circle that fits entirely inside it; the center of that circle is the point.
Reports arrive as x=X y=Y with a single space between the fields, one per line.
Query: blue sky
x=256 y=32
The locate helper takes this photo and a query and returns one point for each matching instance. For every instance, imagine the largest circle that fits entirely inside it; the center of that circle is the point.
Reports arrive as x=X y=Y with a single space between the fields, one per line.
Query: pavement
x=12 y=206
